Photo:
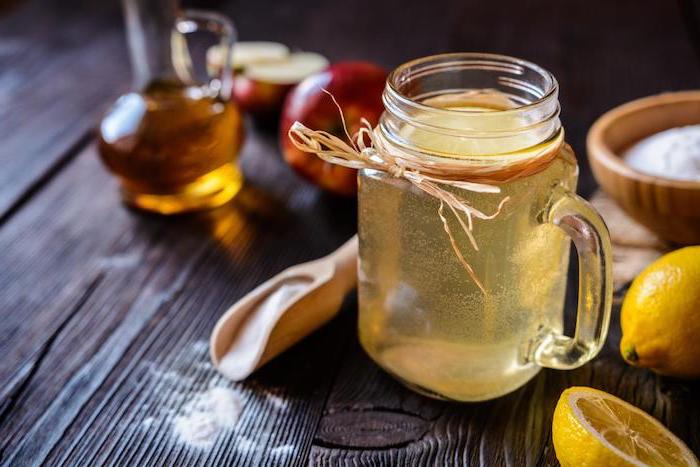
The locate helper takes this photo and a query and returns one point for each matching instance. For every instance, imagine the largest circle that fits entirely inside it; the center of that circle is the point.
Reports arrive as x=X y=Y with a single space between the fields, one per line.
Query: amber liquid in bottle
x=173 y=147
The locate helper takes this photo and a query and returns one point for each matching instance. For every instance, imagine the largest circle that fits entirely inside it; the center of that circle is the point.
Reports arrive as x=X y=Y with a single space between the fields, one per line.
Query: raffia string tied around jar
x=367 y=149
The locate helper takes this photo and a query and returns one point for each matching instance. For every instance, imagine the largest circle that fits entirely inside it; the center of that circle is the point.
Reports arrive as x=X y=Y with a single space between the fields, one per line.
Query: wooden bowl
x=670 y=208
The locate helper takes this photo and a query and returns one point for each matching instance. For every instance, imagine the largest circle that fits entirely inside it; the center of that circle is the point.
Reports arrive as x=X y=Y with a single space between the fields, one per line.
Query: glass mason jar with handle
x=173 y=141
x=423 y=316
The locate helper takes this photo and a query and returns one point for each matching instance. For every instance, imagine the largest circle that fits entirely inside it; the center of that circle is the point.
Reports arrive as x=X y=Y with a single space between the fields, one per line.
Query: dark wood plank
x=133 y=292
x=61 y=63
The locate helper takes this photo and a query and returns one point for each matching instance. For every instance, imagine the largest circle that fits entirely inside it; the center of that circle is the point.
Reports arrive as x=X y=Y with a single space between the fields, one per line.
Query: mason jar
x=468 y=305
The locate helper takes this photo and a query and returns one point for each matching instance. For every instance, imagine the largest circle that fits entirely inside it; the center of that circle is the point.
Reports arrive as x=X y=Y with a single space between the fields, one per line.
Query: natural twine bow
x=428 y=176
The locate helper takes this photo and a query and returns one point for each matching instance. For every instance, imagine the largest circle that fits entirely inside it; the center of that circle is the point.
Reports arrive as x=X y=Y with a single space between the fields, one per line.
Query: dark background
x=95 y=298
x=602 y=53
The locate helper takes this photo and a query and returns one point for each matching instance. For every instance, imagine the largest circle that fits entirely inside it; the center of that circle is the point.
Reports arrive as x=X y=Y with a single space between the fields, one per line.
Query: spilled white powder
x=284 y=450
x=206 y=415
x=245 y=445
x=200 y=408
x=673 y=153
x=277 y=402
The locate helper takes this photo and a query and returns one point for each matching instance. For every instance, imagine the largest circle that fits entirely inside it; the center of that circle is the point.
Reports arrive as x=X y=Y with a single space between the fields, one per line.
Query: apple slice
x=260 y=88
x=293 y=70
x=244 y=54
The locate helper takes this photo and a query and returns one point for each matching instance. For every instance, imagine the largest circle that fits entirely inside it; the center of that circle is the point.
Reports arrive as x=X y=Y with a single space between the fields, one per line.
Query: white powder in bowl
x=673 y=153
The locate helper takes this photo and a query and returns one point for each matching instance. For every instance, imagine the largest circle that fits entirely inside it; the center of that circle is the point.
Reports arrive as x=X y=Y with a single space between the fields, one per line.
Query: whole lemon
x=661 y=316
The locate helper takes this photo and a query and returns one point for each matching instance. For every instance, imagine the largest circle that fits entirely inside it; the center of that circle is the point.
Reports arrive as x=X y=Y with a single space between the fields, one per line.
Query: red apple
x=358 y=87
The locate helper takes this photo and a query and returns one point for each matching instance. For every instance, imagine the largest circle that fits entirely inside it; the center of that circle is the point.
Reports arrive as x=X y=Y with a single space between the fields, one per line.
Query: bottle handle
x=583 y=224
x=190 y=21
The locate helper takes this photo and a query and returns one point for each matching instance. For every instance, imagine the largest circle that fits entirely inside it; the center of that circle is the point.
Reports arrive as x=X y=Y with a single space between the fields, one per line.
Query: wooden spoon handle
x=345 y=260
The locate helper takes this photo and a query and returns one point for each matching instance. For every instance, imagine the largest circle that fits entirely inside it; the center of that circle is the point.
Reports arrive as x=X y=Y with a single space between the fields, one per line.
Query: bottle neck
x=151 y=36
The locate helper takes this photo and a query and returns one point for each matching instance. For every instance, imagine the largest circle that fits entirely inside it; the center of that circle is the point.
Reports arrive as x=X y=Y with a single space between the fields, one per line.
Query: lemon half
x=593 y=428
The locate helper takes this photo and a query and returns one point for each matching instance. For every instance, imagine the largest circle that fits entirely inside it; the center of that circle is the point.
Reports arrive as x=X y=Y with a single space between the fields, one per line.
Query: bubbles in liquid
x=421 y=316
x=456 y=371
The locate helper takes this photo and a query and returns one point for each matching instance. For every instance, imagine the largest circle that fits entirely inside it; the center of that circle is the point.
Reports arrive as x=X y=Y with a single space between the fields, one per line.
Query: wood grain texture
x=155 y=288
x=61 y=63
x=105 y=311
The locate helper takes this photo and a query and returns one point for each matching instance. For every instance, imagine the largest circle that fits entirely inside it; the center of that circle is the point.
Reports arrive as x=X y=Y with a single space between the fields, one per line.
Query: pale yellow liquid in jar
x=422 y=318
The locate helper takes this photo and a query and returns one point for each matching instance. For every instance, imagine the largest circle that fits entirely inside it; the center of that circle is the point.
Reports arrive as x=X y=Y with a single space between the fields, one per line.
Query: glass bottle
x=173 y=142
x=422 y=317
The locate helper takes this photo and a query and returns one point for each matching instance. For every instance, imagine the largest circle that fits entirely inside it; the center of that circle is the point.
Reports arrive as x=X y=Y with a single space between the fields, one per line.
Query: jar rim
x=413 y=96
x=433 y=63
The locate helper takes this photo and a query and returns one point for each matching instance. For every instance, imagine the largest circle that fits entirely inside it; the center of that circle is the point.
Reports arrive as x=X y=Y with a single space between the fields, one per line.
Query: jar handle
x=583 y=224
x=191 y=21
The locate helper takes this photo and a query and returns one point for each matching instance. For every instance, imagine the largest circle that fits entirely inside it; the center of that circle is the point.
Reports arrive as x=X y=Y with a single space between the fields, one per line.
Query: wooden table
x=105 y=312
